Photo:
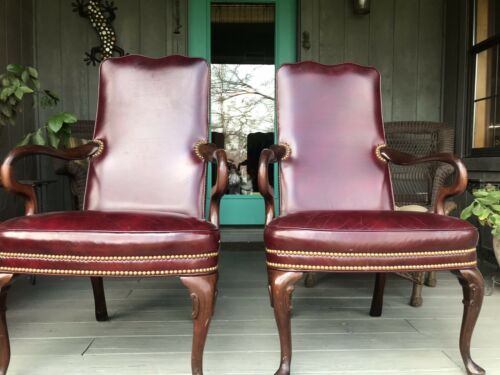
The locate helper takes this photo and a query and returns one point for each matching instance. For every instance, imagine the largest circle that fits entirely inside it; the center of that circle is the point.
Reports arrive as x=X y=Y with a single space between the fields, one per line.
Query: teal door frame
x=244 y=209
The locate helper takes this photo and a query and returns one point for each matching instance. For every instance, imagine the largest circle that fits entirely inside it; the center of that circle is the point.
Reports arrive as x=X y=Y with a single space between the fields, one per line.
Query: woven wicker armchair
x=415 y=187
x=76 y=170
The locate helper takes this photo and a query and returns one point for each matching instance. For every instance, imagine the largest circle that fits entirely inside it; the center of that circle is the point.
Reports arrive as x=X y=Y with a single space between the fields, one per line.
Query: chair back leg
x=203 y=290
x=101 y=311
x=5 y=279
x=281 y=286
x=378 y=295
x=473 y=288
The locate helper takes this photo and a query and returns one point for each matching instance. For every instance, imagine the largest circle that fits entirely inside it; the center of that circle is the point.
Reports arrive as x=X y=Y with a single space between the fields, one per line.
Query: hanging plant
x=16 y=83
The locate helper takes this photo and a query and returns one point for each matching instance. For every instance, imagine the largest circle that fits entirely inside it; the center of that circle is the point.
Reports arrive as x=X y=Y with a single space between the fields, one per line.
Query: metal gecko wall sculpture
x=101 y=14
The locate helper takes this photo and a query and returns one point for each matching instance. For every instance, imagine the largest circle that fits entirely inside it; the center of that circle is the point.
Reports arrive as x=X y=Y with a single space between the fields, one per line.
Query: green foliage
x=486 y=207
x=15 y=83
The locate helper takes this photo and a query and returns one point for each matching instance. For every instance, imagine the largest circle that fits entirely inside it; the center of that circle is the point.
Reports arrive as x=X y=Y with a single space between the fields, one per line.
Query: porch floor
x=53 y=330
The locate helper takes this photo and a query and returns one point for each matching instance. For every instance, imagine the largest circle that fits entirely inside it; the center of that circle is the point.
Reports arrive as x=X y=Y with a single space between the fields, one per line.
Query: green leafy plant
x=16 y=83
x=486 y=207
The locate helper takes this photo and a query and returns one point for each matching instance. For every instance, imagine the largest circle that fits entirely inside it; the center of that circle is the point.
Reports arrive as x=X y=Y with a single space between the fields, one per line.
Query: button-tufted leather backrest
x=331 y=118
x=150 y=114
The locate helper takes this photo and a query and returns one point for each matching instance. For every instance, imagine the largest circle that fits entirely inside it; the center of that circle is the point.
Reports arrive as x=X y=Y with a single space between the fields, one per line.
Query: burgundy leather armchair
x=336 y=201
x=144 y=203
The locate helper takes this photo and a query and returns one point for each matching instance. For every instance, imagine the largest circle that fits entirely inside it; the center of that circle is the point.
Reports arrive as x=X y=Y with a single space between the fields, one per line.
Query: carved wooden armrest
x=269 y=155
x=9 y=182
x=385 y=153
x=210 y=153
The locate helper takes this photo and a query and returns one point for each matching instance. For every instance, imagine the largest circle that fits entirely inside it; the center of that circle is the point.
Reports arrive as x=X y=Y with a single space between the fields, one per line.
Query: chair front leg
x=5 y=279
x=101 y=311
x=203 y=291
x=416 y=293
x=473 y=288
x=281 y=285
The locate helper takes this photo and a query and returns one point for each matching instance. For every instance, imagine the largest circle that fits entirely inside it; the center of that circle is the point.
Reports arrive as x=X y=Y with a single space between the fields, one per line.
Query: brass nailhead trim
x=375 y=255
x=378 y=153
x=78 y=258
x=105 y=273
x=288 y=151
x=371 y=268
x=100 y=149
x=196 y=148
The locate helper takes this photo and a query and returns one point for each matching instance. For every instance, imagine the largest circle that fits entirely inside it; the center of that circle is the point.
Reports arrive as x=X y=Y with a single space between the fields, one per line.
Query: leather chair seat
x=369 y=241
x=97 y=243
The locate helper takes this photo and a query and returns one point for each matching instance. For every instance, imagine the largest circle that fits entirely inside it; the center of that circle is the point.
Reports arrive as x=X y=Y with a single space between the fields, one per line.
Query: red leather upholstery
x=335 y=191
x=145 y=196
x=150 y=114
x=331 y=118
x=109 y=243
x=370 y=241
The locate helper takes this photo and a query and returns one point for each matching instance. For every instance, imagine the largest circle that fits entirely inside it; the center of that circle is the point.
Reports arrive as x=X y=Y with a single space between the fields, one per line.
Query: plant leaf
x=68 y=118
x=466 y=212
x=33 y=72
x=38 y=137
x=53 y=138
x=15 y=69
x=55 y=123
x=26 y=140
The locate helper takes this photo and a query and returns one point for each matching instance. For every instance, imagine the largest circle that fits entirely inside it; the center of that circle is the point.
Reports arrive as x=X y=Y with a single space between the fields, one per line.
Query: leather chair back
x=331 y=118
x=150 y=114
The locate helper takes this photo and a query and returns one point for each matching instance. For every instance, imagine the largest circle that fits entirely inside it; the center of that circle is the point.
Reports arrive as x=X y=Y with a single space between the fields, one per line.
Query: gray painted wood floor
x=53 y=329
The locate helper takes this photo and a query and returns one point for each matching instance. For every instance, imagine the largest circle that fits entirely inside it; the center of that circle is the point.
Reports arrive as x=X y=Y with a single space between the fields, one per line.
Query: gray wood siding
x=403 y=39
x=62 y=38
x=16 y=46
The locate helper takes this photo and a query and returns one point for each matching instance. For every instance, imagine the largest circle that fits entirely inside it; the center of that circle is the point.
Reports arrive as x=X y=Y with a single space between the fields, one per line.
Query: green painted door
x=214 y=29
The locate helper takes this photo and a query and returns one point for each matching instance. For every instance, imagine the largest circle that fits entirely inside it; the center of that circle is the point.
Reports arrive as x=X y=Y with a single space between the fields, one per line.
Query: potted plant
x=15 y=84
x=486 y=207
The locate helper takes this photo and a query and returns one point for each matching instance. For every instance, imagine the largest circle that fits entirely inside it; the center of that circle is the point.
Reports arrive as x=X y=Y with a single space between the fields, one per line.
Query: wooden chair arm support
x=210 y=153
x=27 y=191
x=457 y=187
x=269 y=155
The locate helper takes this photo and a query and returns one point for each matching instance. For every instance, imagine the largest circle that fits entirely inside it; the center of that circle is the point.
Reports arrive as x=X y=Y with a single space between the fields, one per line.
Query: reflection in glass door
x=242 y=95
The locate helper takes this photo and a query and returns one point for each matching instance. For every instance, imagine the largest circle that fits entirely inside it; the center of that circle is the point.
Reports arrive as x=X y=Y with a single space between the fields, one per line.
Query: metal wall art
x=101 y=15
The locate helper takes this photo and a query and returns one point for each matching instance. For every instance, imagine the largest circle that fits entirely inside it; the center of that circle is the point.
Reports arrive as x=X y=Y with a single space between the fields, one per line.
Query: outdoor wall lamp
x=361 y=6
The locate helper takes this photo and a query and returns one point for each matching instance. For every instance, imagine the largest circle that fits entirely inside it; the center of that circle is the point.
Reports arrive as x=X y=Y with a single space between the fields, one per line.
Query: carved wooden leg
x=311 y=279
x=101 y=312
x=431 y=279
x=378 y=295
x=4 y=333
x=281 y=285
x=473 y=287
x=202 y=289
x=416 y=294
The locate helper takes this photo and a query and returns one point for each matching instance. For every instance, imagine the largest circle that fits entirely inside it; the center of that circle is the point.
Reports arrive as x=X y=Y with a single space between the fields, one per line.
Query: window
x=486 y=58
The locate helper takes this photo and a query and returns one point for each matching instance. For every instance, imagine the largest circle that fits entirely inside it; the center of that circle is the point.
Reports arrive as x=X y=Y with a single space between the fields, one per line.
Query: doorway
x=244 y=41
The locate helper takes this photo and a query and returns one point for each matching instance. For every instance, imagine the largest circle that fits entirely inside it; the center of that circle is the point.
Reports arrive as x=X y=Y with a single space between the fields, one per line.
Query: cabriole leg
x=101 y=311
x=416 y=293
x=4 y=333
x=281 y=286
x=203 y=291
x=378 y=295
x=473 y=288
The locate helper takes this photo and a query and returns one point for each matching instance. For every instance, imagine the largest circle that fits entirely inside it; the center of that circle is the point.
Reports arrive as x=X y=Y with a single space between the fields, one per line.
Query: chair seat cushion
x=369 y=241
x=108 y=244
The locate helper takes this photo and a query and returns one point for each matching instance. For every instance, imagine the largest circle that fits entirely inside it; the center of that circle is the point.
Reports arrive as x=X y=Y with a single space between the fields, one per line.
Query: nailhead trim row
x=378 y=154
x=288 y=151
x=78 y=258
x=100 y=149
x=374 y=255
x=105 y=273
x=371 y=268
x=196 y=148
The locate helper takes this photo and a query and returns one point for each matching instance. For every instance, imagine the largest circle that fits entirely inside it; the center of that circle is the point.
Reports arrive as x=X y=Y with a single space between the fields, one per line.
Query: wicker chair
x=76 y=170
x=415 y=187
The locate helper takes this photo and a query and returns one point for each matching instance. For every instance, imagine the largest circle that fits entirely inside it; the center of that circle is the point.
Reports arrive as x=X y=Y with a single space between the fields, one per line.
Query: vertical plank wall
x=62 y=38
x=16 y=46
x=403 y=39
